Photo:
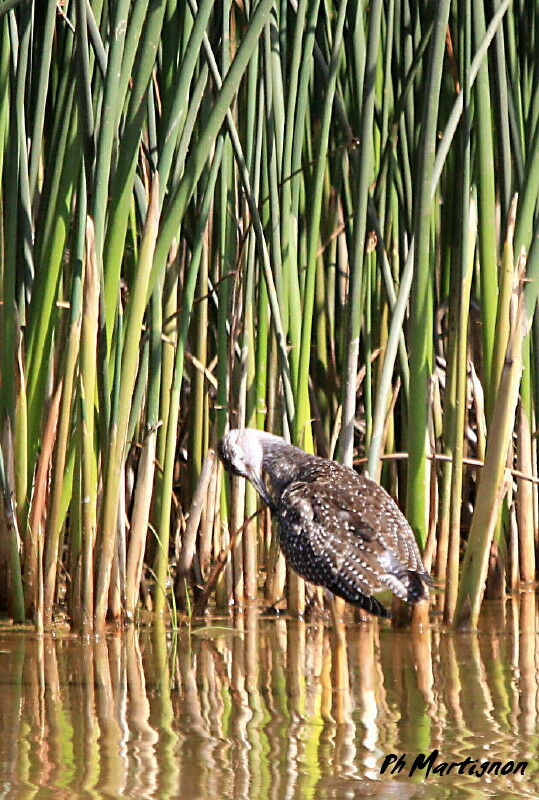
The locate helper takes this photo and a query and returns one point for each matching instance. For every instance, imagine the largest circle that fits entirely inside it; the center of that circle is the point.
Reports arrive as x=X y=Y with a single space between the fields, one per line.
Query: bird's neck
x=283 y=463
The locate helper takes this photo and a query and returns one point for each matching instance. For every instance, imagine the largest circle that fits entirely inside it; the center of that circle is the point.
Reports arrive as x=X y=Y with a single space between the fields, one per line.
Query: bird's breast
x=303 y=546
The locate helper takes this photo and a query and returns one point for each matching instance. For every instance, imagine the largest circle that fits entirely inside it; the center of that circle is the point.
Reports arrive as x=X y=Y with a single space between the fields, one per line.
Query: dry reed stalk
x=34 y=547
x=524 y=499
x=207 y=529
x=494 y=477
x=187 y=553
x=220 y=563
x=139 y=519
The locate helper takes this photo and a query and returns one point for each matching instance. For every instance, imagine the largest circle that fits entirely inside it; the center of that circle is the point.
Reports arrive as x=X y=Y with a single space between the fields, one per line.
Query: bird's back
x=342 y=530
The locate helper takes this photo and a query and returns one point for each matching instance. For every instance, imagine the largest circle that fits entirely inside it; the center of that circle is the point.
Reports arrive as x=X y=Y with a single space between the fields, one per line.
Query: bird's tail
x=408 y=584
x=417 y=585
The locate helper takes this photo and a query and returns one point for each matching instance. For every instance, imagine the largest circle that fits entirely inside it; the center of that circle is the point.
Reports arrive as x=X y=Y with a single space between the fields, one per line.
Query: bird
x=337 y=529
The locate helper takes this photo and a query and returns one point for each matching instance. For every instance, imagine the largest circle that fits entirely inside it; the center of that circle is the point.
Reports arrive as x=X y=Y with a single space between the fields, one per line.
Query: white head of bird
x=242 y=453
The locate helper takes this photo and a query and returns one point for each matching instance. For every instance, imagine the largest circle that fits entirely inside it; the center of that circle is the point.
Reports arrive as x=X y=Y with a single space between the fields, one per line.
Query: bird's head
x=242 y=453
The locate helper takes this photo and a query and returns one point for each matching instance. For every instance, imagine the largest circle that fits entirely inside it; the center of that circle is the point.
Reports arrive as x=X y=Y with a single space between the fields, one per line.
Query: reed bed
x=319 y=219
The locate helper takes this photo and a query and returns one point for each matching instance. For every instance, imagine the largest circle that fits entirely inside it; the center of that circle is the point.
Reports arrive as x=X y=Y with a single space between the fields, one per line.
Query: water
x=274 y=709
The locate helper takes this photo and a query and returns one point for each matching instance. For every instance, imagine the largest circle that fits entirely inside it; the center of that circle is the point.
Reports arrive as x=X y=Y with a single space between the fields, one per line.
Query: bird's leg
x=340 y=676
x=336 y=606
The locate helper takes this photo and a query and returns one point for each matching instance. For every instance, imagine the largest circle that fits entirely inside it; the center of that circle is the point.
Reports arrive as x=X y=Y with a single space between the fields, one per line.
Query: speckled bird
x=336 y=528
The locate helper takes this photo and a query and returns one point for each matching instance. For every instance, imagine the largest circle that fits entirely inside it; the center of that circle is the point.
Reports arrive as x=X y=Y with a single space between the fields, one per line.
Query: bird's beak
x=260 y=486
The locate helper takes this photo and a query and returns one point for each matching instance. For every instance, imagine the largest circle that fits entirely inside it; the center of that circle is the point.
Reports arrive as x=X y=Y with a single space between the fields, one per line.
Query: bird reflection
x=268 y=708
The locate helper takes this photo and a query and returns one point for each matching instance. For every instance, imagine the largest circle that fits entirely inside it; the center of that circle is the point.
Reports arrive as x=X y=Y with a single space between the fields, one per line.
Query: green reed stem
x=421 y=309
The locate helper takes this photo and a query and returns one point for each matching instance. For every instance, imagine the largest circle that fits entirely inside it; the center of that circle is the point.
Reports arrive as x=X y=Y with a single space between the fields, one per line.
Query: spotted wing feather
x=314 y=552
x=349 y=529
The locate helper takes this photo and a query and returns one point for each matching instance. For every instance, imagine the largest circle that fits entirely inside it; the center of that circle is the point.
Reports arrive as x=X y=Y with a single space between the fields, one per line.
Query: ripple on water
x=286 y=710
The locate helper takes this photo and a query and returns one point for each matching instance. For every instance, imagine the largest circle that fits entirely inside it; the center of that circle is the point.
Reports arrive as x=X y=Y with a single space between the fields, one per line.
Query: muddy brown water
x=274 y=709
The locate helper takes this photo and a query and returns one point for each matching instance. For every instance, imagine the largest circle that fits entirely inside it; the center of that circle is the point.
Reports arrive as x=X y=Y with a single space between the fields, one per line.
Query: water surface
x=274 y=709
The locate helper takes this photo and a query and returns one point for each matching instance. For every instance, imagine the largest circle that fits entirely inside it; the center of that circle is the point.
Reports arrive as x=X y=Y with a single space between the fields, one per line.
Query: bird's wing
x=335 y=560
x=395 y=530
x=362 y=528
x=364 y=504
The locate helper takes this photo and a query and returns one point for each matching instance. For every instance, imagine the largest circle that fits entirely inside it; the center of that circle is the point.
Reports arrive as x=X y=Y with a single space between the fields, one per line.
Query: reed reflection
x=271 y=709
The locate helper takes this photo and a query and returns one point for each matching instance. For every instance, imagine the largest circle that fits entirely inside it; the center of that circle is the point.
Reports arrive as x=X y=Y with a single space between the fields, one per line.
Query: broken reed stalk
x=444 y=458
x=220 y=563
x=193 y=521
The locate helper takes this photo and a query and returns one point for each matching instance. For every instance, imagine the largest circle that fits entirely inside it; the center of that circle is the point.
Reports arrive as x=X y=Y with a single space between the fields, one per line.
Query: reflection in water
x=275 y=709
